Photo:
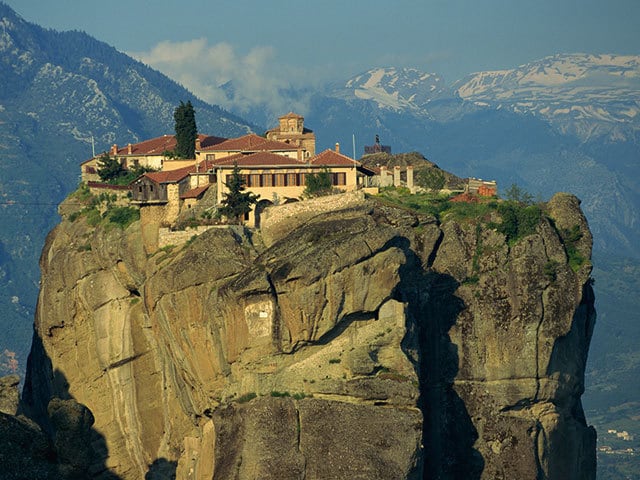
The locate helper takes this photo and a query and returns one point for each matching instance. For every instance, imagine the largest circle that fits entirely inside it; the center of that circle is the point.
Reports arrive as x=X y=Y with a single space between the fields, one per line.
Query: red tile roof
x=195 y=192
x=331 y=158
x=210 y=140
x=159 y=145
x=249 y=143
x=259 y=159
x=153 y=146
x=171 y=176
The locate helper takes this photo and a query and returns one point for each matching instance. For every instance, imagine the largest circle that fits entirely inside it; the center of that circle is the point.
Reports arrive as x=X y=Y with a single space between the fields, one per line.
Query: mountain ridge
x=60 y=92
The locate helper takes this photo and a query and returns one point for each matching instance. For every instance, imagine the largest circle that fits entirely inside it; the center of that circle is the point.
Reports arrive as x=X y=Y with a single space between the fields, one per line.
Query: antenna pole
x=354 y=145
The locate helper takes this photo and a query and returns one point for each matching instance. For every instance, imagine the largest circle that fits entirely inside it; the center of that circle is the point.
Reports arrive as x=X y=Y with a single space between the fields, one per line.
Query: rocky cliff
x=360 y=341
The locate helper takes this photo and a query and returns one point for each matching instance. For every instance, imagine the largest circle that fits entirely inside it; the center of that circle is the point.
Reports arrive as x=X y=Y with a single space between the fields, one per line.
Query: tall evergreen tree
x=186 y=130
x=109 y=168
x=236 y=202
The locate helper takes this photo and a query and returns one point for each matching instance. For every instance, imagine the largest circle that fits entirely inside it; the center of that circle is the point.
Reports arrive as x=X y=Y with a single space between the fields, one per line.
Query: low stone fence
x=121 y=191
x=98 y=187
x=167 y=236
x=278 y=221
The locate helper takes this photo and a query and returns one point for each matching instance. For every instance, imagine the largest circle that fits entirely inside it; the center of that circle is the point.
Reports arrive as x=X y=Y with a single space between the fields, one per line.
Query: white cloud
x=257 y=77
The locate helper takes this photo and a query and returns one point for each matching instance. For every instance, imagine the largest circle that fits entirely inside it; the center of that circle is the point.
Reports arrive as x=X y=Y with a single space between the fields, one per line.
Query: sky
x=265 y=45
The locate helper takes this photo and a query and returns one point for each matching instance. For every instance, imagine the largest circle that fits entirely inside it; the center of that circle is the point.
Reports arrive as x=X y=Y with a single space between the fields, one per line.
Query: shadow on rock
x=161 y=469
x=448 y=432
x=74 y=449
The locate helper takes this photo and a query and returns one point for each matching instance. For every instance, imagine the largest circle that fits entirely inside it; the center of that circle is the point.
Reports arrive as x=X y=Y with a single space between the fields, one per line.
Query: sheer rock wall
x=365 y=342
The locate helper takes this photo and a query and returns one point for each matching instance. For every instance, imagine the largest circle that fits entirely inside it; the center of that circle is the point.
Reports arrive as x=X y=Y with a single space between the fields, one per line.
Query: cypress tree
x=186 y=130
x=237 y=202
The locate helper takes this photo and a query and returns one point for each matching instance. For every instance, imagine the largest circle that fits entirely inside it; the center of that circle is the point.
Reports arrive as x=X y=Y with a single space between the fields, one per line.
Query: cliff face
x=362 y=342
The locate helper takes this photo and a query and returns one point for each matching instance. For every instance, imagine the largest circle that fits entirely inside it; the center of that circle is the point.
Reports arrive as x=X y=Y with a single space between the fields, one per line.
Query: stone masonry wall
x=168 y=237
x=276 y=221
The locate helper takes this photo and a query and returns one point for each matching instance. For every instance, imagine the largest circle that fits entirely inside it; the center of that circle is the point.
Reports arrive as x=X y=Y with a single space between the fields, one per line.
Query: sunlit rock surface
x=363 y=342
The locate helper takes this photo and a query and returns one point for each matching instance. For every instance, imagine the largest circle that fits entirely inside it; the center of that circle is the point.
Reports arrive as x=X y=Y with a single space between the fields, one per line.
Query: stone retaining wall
x=178 y=237
x=278 y=220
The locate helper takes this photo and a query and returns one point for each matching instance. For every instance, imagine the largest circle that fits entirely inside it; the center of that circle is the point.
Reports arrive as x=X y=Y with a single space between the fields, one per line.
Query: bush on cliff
x=122 y=216
x=518 y=220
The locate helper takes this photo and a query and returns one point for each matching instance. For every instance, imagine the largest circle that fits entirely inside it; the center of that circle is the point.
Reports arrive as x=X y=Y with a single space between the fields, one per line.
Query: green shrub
x=334 y=360
x=570 y=238
x=84 y=248
x=471 y=280
x=468 y=211
x=123 y=216
x=93 y=216
x=247 y=397
x=191 y=240
x=427 y=203
x=298 y=396
x=318 y=184
x=280 y=394
x=518 y=220
x=82 y=194
x=550 y=269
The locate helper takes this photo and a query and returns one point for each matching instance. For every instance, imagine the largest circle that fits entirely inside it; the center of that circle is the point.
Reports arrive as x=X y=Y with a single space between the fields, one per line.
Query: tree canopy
x=109 y=168
x=236 y=203
x=186 y=130
x=318 y=184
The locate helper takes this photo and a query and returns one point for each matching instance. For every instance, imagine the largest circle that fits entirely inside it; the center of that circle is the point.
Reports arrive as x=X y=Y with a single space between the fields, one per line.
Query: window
x=280 y=180
x=291 y=180
x=267 y=180
x=254 y=180
x=338 y=178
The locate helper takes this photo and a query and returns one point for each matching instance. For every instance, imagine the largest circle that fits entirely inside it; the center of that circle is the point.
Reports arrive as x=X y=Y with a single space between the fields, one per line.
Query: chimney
x=337 y=147
x=129 y=149
x=198 y=144
x=114 y=149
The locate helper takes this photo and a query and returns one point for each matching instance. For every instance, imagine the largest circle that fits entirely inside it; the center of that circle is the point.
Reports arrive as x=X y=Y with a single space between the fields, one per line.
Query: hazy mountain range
x=59 y=91
x=567 y=122
x=563 y=123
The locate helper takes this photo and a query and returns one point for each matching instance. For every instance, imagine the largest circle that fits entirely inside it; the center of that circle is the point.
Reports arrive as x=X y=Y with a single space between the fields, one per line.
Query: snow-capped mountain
x=584 y=95
x=587 y=96
x=398 y=89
